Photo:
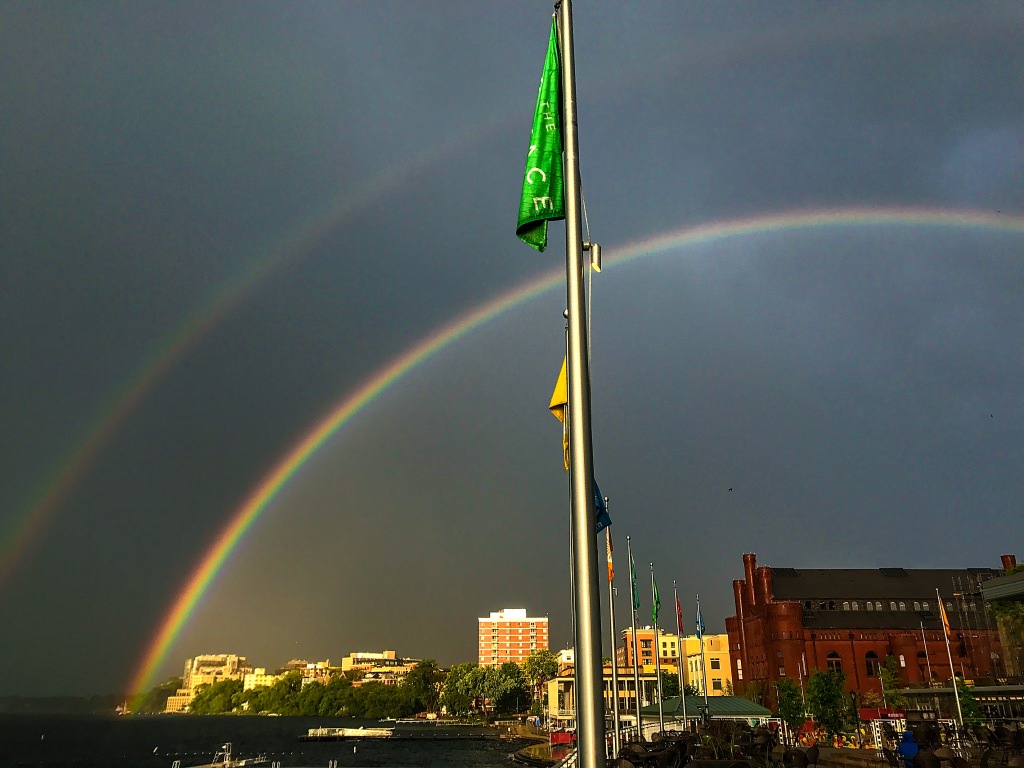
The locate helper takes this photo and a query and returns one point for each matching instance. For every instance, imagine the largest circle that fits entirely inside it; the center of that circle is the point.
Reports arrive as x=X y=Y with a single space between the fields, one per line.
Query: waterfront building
x=366 y=660
x=790 y=622
x=206 y=670
x=717 y=664
x=510 y=635
x=259 y=678
x=561 y=700
x=384 y=667
x=667 y=644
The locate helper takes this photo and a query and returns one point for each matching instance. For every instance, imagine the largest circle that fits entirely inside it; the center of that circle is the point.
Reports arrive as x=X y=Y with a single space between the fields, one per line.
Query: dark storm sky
x=218 y=219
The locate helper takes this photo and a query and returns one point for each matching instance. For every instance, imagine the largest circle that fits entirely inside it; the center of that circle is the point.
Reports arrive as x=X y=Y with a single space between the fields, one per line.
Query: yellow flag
x=558 y=407
x=945 y=619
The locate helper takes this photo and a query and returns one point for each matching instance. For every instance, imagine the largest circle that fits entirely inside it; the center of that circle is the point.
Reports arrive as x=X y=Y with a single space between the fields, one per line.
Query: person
x=908 y=749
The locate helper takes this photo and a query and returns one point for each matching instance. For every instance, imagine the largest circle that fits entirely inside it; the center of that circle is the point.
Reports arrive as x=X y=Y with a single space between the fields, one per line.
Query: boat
x=222 y=759
x=342 y=734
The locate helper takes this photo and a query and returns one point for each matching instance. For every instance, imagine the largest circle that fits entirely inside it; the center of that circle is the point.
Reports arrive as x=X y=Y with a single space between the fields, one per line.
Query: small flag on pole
x=700 y=621
x=945 y=619
x=679 y=617
x=543 y=197
x=632 y=584
x=559 y=405
x=608 y=543
x=656 y=608
x=602 y=518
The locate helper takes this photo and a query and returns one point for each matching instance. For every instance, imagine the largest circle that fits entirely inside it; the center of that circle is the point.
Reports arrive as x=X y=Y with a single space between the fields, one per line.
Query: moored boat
x=341 y=734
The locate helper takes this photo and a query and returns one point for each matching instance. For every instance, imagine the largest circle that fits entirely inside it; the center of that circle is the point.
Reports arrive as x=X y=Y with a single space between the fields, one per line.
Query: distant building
x=790 y=622
x=1006 y=589
x=717 y=664
x=259 y=678
x=206 y=670
x=510 y=635
x=668 y=648
x=561 y=694
x=383 y=667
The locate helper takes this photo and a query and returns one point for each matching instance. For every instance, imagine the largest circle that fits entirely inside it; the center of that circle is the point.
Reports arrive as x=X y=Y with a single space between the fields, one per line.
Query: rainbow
x=379 y=382
x=27 y=525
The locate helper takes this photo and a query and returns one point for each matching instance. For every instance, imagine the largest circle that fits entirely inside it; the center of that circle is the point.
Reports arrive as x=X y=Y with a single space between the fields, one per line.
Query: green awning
x=718 y=706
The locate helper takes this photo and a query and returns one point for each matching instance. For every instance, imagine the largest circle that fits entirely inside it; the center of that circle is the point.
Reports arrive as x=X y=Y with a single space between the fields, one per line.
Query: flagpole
x=611 y=622
x=949 y=653
x=656 y=603
x=590 y=715
x=682 y=653
x=927 y=658
x=703 y=669
x=634 y=602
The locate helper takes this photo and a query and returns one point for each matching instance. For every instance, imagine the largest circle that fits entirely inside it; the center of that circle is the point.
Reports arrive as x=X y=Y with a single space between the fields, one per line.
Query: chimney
x=737 y=593
x=749 y=560
x=1009 y=562
x=765 y=585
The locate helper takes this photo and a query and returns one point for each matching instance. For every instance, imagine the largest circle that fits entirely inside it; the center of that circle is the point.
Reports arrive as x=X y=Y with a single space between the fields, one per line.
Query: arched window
x=917 y=605
x=822 y=605
x=831 y=605
x=892 y=605
x=903 y=606
x=855 y=605
x=878 y=605
x=869 y=605
x=833 y=662
x=871 y=664
x=846 y=605
x=924 y=606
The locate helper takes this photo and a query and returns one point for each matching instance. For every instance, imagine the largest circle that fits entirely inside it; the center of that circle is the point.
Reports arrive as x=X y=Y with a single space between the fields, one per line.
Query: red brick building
x=790 y=622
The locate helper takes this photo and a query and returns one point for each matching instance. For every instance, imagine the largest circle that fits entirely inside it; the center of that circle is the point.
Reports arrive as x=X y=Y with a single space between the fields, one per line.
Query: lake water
x=157 y=741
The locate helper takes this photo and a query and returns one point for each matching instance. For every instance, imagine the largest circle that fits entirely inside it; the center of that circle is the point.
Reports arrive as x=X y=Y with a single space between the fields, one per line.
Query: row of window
x=872 y=605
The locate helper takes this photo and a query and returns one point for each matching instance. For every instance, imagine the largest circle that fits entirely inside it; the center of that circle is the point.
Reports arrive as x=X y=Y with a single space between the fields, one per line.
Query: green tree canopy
x=215 y=699
x=539 y=667
x=889 y=676
x=455 y=696
x=826 y=699
x=423 y=685
x=790 y=703
x=155 y=699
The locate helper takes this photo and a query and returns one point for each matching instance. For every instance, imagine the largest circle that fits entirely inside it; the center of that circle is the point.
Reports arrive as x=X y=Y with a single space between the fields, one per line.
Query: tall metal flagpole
x=656 y=602
x=634 y=600
x=682 y=652
x=590 y=700
x=952 y=669
x=611 y=621
x=703 y=669
x=927 y=658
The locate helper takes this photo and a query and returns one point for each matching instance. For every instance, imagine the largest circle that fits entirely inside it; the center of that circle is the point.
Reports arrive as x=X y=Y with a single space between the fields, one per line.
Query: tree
x=155 y=700
x=455 y=698
x=889 y=677
x=216 y=699
x=507 y=688
x=669 y=684
x=423 y=685
x=790 y=704
x=968 y=704
x=539 y=667
x=826 y=700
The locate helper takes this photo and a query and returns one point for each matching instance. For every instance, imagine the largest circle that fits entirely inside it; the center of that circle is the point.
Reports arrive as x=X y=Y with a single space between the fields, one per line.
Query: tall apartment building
x=510 y=635
x=206 y=670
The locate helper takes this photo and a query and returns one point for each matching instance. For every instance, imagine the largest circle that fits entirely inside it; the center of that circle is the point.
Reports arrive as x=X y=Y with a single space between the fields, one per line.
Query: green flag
x=657 y=601
x=543 y=197
x=632 y=584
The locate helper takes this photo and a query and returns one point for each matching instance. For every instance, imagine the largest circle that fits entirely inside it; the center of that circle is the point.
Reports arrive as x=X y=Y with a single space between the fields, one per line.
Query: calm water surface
x=157 y=741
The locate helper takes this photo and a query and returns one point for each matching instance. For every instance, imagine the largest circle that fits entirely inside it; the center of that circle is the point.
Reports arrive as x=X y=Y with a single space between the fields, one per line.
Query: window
x=903 y=606
x=846 y=605
x=892 y=606
x=869 y=605
x=917 y=605
x=739 y=669
x=856 y=605
x=782 y=671
x=833 y=662
x=716 y=663
x=878 y=605
x=871 y=665
x=716 y=683
x=645 y=643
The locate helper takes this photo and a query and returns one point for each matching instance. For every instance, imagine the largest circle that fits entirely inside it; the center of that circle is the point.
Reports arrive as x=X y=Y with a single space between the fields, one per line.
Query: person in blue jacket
x=908 y=749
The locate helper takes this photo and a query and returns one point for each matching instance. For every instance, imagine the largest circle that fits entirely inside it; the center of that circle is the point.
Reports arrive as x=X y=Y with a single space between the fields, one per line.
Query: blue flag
x=700 y=621
x=602 y=518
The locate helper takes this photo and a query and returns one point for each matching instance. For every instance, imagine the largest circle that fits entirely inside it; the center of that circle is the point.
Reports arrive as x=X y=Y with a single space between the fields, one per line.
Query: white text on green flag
x=543 y=197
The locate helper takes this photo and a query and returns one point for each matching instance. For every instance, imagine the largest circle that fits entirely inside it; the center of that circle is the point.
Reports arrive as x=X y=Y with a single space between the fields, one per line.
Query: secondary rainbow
x=242 y=519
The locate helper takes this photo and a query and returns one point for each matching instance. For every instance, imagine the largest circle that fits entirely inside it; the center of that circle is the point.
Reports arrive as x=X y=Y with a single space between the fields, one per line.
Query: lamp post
x=856 y=716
